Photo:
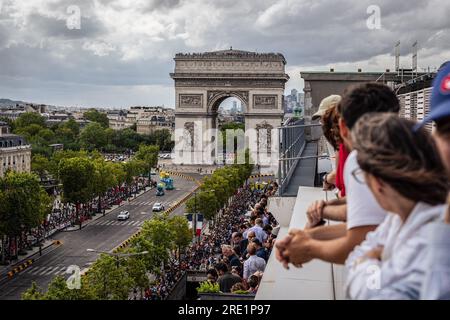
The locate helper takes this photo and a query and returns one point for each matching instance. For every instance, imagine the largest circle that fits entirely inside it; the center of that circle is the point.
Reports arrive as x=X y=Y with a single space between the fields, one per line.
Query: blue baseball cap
x=440 y=96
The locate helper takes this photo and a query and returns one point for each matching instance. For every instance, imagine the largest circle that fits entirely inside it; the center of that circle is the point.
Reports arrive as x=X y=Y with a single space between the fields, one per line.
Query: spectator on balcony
x=361 y=211
x=403 y=170
x=226 y=279
x=330 y=128
x=437 y=264
x=253 y=263
x=327 y=118
x=335 y=208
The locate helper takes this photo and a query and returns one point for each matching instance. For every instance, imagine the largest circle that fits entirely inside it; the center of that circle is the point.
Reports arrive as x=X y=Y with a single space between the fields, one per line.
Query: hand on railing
x=315 y=213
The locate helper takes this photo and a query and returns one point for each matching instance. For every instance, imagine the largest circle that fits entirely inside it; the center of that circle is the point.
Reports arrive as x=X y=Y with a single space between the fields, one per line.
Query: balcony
x=317 y=279
x=298 y=163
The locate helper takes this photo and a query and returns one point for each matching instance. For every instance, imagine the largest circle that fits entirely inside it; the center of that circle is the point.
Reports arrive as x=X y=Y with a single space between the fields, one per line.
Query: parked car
x=158 y=207
x=123 y=215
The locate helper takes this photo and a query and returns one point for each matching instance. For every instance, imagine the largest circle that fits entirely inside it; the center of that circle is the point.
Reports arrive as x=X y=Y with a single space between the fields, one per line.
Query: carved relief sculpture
x=264 y=137
x=191 y=101
x=263 y=101
x=188 y=136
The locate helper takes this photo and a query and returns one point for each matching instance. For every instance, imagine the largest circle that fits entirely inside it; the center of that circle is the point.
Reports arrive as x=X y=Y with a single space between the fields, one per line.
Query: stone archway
x=204 y=80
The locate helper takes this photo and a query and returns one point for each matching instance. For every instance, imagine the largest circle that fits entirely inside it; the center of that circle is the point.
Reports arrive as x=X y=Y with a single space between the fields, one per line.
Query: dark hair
x=257 y=242
x=330 y=127
x=267 y=228
x=222 y=267
x=408 y=161
x=253 y=281
x=364 y=98
x=212 y=272
x=443 y=127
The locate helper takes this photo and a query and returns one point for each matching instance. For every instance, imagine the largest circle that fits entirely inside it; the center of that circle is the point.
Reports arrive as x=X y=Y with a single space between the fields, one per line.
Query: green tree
x=93 y=137
x=23 y=206
x=109 y=279
x=163 y=139
x=96 y=116
x=29 y=118
x=103 y=179
x=58 y=290
x=156 y=237
x=182 y=235
x=148 y=154
x=136 y=268
x=47 y=135
x=29 y=131
x=40 y=165
x=67 y=133
x=33 y=293
x=78 y=190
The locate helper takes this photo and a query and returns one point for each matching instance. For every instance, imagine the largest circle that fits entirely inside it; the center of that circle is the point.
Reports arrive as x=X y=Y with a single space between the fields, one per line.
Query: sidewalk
x=22 y=258
x=100 y=215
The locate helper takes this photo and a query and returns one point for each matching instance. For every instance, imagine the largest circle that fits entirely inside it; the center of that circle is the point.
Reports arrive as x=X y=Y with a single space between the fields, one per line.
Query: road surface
x=102 y=234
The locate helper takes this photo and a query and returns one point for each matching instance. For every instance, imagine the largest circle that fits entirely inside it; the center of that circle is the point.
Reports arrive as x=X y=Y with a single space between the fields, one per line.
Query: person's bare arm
x=335 y=209
x=329 y=232
x=336 y=202
x=337 y=250
x=302 y=248
x=335 y=212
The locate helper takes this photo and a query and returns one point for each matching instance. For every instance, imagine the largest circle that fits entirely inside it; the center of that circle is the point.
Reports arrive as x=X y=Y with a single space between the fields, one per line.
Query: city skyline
x=121 y=54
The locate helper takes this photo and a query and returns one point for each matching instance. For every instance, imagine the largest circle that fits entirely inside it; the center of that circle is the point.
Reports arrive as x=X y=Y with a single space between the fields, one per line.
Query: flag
x=189 y=218
x=199 y=224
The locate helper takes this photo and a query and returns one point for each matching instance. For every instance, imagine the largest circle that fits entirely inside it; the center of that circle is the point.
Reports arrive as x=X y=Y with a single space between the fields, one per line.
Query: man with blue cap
x=437 y=280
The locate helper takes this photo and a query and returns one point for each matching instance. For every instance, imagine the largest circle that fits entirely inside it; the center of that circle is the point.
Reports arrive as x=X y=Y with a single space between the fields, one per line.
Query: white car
x=158 y=207
x=123 y=215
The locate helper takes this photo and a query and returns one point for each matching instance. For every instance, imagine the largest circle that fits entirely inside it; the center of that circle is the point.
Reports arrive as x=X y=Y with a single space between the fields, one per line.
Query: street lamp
x=118 y=255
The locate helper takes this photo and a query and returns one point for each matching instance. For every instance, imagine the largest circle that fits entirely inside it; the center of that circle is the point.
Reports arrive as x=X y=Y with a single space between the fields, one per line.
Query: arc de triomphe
x=204 y=80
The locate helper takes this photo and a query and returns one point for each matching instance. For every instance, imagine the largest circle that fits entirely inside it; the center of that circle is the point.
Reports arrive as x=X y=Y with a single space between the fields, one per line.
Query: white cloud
x=99 y=48
x=129 y=43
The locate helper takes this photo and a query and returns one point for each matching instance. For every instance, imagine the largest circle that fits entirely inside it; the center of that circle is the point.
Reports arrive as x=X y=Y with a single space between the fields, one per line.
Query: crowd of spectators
x=234 y=252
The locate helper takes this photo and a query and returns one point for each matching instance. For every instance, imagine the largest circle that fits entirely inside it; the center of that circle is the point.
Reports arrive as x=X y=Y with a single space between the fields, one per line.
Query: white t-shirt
x=362 y=208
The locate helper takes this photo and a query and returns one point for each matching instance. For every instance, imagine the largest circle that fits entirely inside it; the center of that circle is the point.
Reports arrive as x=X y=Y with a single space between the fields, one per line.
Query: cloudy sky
x=122 y=53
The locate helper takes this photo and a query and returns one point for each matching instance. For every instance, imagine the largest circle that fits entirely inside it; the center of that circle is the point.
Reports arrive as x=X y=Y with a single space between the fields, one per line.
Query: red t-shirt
x=343 y=154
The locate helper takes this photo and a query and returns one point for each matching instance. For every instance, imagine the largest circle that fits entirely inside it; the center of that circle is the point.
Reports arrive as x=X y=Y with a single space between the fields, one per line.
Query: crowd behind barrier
x=230 y=230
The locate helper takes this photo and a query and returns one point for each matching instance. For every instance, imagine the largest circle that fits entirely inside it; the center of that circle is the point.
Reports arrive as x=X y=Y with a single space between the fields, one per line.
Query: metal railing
x=292 y=142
